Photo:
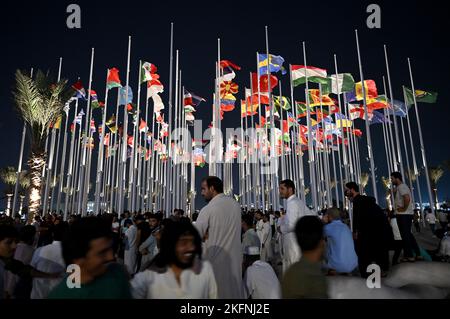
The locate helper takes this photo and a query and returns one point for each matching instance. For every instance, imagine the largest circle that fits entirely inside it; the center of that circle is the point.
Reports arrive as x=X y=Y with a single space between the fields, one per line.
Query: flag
x=258 y=98
x=421 y=96
x=316 y=100
x=106 y=139
x=113 y=80
x=142 y=126
x=130 y=141
x=263 y=83
x=95 y=103
x=154 y=87
x=190 y=117
x=370 y=88
x=57 y=124
x=192 y=99
x=342 y=121
x=316 y=75
x=123 y=95
x=228 y=87
x=356 y=112
x=148 y=72
x=275 y=63
x=400 y=108
x=341 y=83
x=377 y=118
x=72 y=127
x=380 y=102
x=79 y=117
x=227 y=75
x=252 y=108
x=111 y=120
x=282 y=102
x=80 y=91
x=301 y=109
x=189 y=109
x=226 y=63
x=227 y=103
x=158 y=104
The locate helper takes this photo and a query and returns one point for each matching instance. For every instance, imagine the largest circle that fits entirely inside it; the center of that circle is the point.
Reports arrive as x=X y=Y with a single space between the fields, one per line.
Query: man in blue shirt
x=340 y=250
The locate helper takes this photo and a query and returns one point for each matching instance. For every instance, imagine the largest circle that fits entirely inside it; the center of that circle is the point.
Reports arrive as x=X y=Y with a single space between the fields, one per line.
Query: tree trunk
x=36 y=163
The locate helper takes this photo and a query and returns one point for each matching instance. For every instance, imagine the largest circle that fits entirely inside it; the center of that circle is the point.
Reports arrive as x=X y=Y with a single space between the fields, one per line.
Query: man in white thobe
x=295 y=209
x=221 y=219
x=130 y=253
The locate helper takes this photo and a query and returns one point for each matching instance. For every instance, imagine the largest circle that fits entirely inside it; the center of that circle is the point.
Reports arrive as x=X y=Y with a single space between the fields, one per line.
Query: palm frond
x=435 y=173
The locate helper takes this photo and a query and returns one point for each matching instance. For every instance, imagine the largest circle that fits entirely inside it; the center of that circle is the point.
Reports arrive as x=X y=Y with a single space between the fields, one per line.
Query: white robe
x=295 y=209
x=266 y=239
x=222 y=219
x=261 y=282
x=130 y=253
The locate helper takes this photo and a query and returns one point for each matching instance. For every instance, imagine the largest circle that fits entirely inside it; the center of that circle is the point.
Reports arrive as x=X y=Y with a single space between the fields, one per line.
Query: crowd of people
x=224 y=251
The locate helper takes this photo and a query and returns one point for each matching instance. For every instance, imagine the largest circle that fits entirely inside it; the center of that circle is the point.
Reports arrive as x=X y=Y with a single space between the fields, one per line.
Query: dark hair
x=77 y=241
x=171 y=233
x=397 y=175
x=194 y=216
x=248 y=219
x=309 y=232
x=352 y=185
x=59 y=231
x=215 y=182
x=8 y=231
x=27 y=233
x=288 y=183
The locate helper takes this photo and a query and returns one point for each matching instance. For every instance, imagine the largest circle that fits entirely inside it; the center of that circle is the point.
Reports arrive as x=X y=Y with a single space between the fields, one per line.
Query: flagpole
x=391 y=95
x=416 y=172
x=422 y=146
x=368 y=135
x=297 y=165
x=176 y=165
x=63 y=160
x=115 y=162
x=311 y=161
x=53 y=183
x=261 y=140
x=392 y=162
x=19 y=165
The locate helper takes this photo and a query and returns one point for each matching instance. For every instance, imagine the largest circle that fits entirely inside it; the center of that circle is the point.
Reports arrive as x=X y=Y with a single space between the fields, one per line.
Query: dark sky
x=34 y=34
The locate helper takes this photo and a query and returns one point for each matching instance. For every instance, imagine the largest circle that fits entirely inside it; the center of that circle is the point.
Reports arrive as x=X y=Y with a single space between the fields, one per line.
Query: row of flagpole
x=159 y=184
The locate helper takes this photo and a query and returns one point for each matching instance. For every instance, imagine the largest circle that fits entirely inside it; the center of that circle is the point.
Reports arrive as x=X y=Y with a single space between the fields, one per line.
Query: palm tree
x=435 y=173
x=364 y=181
x=8 y=176
x=39 y=101
x=24 y=182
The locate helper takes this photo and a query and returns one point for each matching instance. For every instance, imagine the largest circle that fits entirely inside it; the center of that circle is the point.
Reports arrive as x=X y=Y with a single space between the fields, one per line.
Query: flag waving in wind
x=113 y=80
x=275 y=63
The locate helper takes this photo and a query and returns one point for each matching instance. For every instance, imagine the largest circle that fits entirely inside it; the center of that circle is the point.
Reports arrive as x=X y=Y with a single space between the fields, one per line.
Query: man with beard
x=221 y=220
x=371 y=231
x=177 y=272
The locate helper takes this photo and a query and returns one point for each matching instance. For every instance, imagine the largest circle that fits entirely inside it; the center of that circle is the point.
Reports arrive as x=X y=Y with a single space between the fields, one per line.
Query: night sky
x=34 y=34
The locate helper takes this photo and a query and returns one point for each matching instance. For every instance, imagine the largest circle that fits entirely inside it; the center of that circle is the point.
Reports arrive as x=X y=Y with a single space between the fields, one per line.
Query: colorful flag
x=342 y=121
x=106 y=139
x=377 y=118
x=228 y=87
x=316 y=75
x=227 y=103
x=252 y=109
x=92 y=128
x=258 y=98
x=370 y=88
x=341 y=83
x=123 y=95
x=275 y=63
x=421 y=96
x=356 y=112
x=282 y=102
x=148 y=72
x=79 y=117
x=301 y=109
x=95 y=103
x=111 y=120
x=80 y=91
x=316 y=100
x=226 y=63
x=400 y=108
x=192 y=99
x=158 y=104
x=154 y=87
x=113 y=80
x=263 y=83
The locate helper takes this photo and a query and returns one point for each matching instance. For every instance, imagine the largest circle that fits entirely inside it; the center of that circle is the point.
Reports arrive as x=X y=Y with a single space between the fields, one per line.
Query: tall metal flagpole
x=392 y=163
x=100 y=154
x=399 y=152
x=311 y=160
x=415 y=170
x=86 y=140
x=50 y=161
x=53 y=178
x=63 y=160
x=116 y=153
x=261 y=140
x=135 y=148
x=369 y=140
x=122 y=170
x=422 y=146
x=168 y=170
x=70 y=167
